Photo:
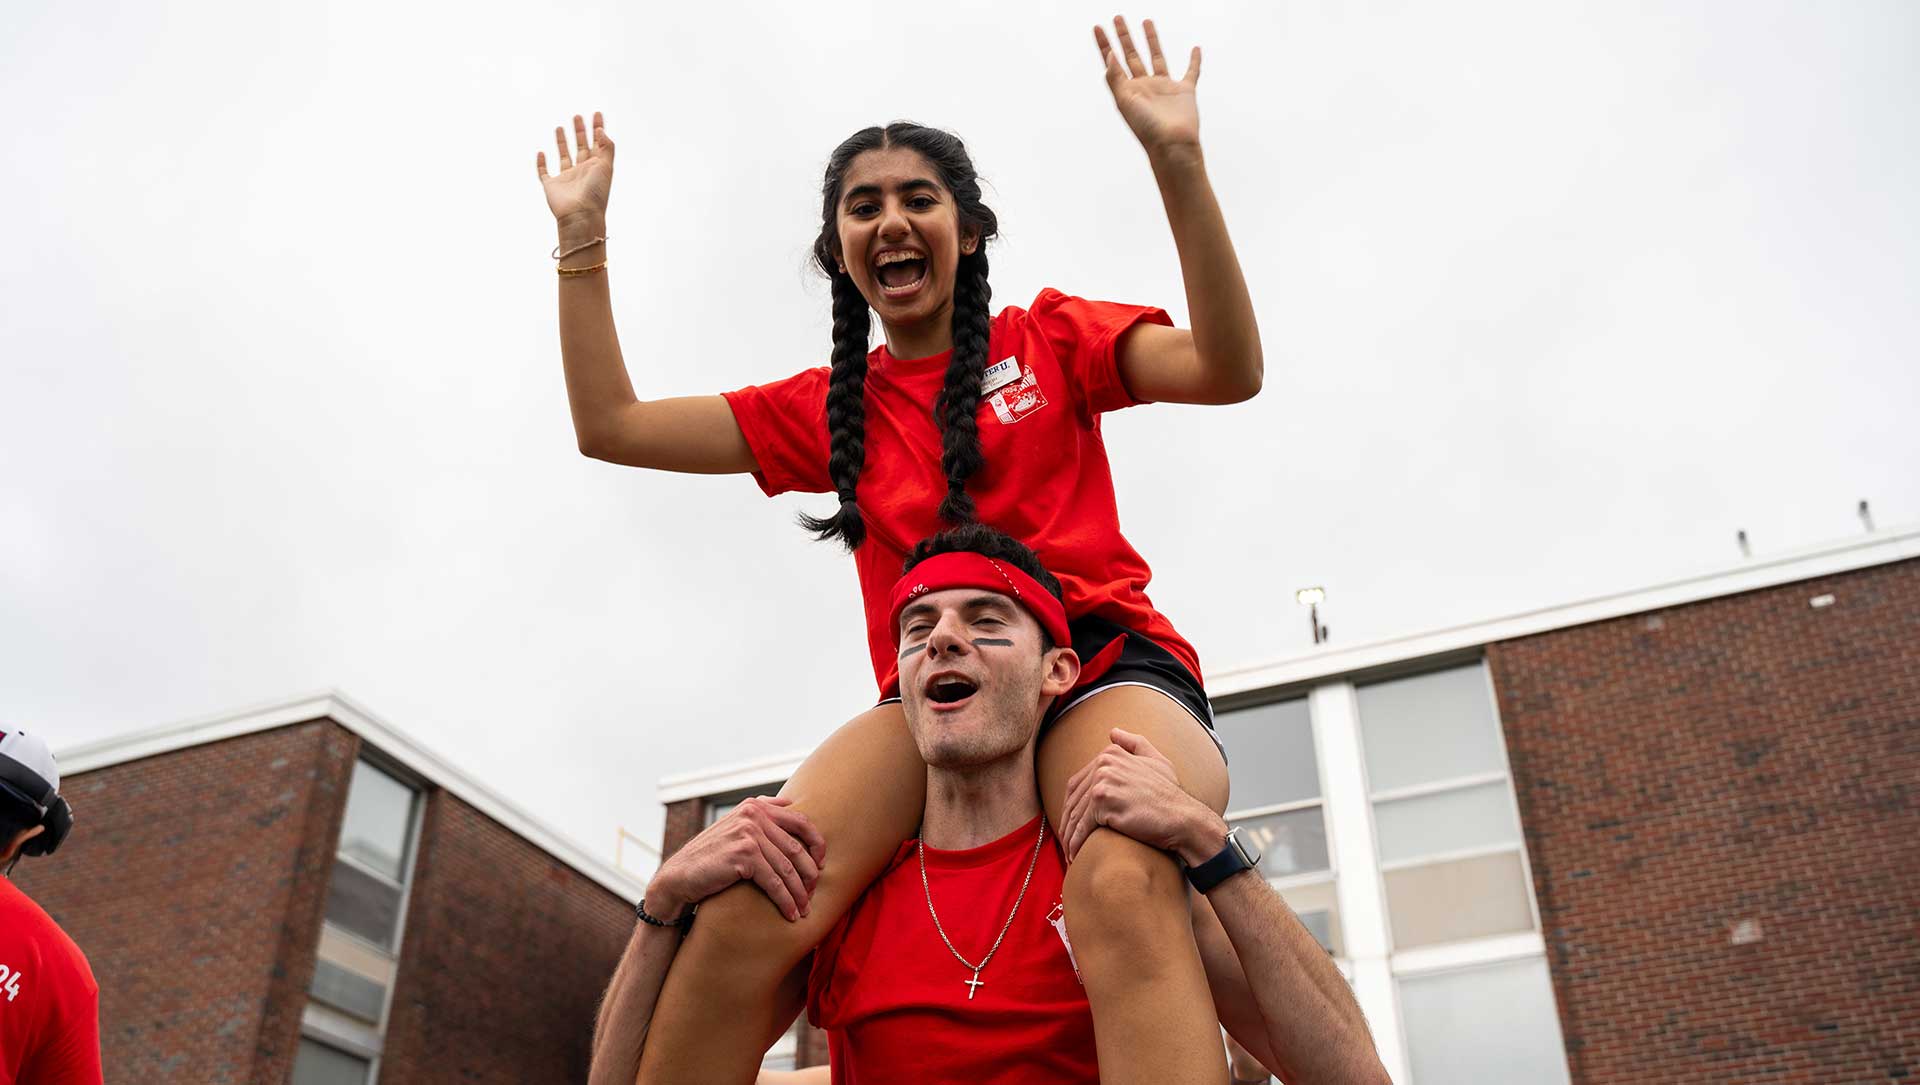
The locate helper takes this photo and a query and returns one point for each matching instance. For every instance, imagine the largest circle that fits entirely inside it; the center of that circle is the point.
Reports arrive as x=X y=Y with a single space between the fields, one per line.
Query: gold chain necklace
x=974 y=984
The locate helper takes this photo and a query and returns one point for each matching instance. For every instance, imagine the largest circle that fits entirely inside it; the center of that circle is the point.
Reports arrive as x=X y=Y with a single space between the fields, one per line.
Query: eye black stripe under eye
x=991 y=642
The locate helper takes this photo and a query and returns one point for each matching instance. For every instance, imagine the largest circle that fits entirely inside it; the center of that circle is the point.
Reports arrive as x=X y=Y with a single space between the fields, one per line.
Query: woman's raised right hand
x=578 y=193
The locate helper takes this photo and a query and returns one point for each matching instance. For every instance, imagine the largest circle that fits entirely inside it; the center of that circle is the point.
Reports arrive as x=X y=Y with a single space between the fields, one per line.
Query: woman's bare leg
x=1126 y=903
x=725 y=1002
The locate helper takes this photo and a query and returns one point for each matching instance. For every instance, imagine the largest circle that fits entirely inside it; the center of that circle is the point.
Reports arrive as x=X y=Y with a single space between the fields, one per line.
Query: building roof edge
x=1865 y=551
x=343 y=710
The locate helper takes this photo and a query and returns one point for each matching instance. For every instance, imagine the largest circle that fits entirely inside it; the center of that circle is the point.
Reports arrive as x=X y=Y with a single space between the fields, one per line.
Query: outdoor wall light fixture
x=1311 y=598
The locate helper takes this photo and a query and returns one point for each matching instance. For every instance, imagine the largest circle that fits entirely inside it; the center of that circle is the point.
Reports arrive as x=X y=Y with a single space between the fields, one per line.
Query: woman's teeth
x=899 y=272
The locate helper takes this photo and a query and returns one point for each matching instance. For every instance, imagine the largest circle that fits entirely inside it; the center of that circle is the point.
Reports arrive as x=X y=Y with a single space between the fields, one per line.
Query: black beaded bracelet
x=685 y=922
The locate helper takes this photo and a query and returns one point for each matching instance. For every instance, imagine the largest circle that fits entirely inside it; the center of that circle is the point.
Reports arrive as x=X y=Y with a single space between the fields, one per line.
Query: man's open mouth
x=950 y=690
x=900 y=271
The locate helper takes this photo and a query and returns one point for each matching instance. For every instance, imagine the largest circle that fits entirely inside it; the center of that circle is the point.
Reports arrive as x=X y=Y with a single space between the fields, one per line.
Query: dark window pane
x=1471 y=817
x=347 y=992
x=379 y=814
x=1291 y=843
x=1492 y=1023
x=1270 y=754
x=318 y=1064
x=362 y=904
x=719 y=806
x=1320 y=925
x=1429 y=727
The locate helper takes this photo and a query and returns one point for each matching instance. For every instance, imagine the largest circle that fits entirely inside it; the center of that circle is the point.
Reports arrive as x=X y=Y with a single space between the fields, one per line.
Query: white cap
x=27 y=764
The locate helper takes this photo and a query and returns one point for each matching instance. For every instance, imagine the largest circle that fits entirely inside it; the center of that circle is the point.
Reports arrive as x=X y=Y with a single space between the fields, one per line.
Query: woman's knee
x=739 y=935
x=1079 y=735
x=1120 y=886
x=863 y=789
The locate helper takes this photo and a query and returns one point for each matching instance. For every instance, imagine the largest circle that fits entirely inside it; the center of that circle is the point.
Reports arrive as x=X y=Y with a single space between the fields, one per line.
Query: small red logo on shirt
x=1019 y=399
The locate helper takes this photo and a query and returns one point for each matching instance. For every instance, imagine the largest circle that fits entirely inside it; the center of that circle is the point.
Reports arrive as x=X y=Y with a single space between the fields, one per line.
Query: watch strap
x=1231 y=860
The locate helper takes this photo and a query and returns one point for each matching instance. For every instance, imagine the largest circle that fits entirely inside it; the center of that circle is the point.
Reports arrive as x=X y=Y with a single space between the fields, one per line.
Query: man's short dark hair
x=980 y=539
x=16 y=816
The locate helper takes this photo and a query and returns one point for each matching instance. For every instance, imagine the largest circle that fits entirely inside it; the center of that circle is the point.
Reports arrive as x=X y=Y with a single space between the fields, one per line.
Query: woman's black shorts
x=1142 y=662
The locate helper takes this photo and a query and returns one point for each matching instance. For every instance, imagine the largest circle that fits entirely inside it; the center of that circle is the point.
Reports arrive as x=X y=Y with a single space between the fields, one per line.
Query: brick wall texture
x=1744 y=766
x=685 y=819
x=194 y=882
x=505 y=953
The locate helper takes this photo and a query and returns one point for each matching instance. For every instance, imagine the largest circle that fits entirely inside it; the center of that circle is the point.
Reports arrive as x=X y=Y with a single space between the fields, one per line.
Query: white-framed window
x=1493 y=1020
x=1445 y=824
x=719 y=806
x=1275 y=800
x=359 y=949
x=1408 y=842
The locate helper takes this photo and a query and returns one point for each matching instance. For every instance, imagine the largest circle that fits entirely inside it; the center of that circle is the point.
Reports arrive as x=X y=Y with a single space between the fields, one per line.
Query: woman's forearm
x=620 y=1032
x=598 y=388
x=1225 y=334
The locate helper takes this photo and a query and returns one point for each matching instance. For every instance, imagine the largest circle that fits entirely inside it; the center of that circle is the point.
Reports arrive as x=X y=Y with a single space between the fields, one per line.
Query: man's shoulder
x=27 y=929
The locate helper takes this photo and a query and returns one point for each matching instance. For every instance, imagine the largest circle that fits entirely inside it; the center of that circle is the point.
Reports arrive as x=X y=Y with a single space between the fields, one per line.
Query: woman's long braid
x=957 y=408
x=846 y=415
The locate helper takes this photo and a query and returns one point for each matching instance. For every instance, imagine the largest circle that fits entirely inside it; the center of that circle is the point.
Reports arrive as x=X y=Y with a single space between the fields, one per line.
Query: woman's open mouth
x=900 y=272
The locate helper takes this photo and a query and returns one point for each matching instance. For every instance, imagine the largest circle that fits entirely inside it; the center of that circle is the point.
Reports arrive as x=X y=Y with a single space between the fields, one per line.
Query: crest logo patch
x=1019 y=398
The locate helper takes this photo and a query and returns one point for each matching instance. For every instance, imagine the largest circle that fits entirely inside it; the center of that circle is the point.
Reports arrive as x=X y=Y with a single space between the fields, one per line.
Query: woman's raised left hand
x=1160 y=109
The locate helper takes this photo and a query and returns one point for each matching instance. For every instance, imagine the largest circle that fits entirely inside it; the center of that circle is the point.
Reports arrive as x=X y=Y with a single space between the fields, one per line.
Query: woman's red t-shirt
x=1045 y=481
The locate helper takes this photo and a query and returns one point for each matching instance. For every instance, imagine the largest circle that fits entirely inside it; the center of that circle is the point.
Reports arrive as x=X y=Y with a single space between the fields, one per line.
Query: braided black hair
x=955 y=409
x=846 y=414
x=958 y=404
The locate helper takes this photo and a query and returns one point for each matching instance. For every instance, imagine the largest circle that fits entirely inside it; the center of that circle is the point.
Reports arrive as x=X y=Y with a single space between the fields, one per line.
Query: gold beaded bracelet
x=582 y=247
x=570 y=272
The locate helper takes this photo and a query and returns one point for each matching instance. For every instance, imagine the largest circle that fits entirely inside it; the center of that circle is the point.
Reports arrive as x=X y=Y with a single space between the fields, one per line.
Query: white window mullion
x=1358 y=888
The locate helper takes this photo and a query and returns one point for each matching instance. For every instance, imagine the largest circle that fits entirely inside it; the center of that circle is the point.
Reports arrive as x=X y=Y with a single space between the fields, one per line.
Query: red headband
x=965 y=569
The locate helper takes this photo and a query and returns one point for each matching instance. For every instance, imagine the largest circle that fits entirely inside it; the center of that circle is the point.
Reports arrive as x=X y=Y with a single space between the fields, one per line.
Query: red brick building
x=302 y=893
x=1664 y=835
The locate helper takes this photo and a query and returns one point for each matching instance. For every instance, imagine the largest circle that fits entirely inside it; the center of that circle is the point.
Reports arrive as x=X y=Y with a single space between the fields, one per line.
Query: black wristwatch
x=1234 y=858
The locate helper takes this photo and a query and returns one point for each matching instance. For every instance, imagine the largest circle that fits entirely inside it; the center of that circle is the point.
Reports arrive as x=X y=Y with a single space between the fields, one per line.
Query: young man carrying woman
x=960 y=416
x=955 y=965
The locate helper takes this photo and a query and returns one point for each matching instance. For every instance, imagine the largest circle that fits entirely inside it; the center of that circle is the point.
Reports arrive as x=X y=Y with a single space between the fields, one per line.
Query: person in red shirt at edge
x=955 y=965
x=49 y=1002
x=959 y=416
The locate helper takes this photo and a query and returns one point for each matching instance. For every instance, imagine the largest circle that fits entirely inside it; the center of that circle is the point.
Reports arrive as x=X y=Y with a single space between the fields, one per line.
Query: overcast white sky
x=1555 y=296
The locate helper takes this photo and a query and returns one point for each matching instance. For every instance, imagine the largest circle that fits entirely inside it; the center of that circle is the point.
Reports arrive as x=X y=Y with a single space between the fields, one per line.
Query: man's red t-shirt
x=49 y=1003
x=1045 y=479
x=895 y=1003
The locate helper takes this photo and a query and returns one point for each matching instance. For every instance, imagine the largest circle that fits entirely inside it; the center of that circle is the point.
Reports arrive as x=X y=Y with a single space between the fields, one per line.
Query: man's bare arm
x=761 y=841
x=620 y=1032
x=1315 y=1032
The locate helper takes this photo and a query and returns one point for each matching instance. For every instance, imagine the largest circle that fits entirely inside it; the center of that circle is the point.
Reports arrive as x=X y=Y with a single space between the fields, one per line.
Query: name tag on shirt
x=1000 y=374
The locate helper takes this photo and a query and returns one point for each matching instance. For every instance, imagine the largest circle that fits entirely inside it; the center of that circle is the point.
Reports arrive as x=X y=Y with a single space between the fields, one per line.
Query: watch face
x=1246 y=850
